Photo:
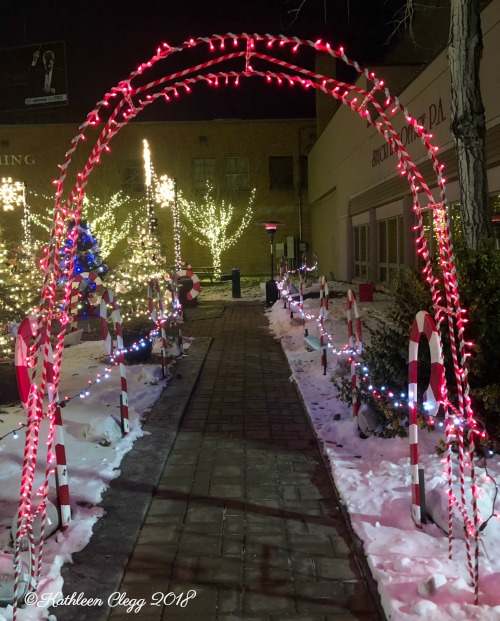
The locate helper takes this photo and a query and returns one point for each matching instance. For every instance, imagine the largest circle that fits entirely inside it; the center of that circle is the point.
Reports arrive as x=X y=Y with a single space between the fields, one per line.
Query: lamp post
x=271 y=287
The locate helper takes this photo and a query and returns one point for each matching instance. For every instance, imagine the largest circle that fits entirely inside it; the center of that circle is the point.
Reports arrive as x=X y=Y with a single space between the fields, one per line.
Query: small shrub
x=387 y=356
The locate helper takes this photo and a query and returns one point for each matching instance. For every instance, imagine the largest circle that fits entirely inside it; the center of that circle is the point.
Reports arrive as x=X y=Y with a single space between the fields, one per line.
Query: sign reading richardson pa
x=33 y=76
x=430 y=119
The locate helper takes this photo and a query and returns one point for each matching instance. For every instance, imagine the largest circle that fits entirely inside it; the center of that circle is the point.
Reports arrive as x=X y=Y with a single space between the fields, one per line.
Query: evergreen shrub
x=478 y=273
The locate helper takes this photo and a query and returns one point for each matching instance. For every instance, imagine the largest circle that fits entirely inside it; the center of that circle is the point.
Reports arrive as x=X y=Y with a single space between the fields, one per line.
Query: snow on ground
x=94 y=449
x=415 y=577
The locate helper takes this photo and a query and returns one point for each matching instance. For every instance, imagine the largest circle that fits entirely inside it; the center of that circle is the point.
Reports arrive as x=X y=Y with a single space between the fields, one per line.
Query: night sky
x=106 y=39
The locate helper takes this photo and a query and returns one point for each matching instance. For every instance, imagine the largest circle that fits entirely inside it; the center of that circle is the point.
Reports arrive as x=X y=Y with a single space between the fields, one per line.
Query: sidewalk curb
x=358 y=550
x=98 y=569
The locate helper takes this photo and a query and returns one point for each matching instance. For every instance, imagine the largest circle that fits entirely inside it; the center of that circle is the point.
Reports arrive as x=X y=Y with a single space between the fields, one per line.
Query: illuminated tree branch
x=208 y=222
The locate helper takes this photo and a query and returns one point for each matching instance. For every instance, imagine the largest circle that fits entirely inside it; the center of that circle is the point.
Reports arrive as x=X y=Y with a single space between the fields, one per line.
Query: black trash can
x=272 y=293
x=236 y=284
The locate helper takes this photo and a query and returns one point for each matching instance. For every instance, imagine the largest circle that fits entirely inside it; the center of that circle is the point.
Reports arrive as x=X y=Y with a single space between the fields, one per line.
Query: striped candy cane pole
x=108 y=297
x=159 y=318
x=92 y=278
x=62 y=482
x=27 y=331
x=301 y=302
x=353 y=318
x=355 y=340
x=323 y=314
x=423 y=325
x=288 y=292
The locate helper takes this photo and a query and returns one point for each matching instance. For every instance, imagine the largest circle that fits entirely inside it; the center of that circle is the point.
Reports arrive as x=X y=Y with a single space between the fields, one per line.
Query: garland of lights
x=127 y=99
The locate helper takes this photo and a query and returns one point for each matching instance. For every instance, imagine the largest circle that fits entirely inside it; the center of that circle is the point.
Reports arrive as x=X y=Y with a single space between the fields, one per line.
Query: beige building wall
x=351 y=171
x=31 y=153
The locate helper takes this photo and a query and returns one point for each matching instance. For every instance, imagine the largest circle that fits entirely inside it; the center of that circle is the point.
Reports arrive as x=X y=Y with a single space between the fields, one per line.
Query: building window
x=237 y=177
x=280 y=172
x=133 y=177
x=203 y=171
x=391 y=248
x=361 y=251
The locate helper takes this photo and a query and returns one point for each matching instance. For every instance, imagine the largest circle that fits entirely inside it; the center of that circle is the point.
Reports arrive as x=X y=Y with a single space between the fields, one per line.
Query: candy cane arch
x=263 y=57
x=27 y=331
x=108 y=298
x=93 y=279
x=29 y=392
x=355 y=341
x=158 y=316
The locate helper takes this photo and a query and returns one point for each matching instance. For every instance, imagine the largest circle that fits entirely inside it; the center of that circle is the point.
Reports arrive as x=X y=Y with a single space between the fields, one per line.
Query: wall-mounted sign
x=430 y=119
x=16 y=160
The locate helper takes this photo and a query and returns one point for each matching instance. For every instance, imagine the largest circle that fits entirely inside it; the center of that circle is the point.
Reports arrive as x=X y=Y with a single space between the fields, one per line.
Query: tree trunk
x=467 y=119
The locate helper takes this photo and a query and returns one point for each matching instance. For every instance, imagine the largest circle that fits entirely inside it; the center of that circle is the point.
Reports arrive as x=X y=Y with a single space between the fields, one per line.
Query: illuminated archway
x=270 y=55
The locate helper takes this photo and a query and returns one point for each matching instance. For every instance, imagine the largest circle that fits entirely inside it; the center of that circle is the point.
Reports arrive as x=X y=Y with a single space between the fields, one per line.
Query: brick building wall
x=237 y=156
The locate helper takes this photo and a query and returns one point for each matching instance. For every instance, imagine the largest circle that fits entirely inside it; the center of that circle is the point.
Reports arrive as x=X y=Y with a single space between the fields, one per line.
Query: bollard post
x=236 y=285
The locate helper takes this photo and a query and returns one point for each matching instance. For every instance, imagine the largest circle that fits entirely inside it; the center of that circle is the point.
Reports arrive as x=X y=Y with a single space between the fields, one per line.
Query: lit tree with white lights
x=142 y=261
x=103 y=217
x=20 y=286
x=212 y=221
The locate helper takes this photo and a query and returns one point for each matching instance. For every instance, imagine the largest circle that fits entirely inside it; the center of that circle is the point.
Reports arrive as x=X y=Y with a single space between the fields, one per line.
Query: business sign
x=430 y=119
x=33 y=76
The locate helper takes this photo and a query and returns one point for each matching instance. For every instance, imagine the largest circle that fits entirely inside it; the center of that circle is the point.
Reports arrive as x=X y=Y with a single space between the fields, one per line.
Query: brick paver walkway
x=245 y=514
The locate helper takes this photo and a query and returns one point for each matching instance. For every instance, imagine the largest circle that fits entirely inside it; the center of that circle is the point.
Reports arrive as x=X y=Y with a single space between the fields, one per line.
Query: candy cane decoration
x=355 y=338
x=61 y=472
x=323 y=314
x=301 y=303
x=423 y=325
x=355 y=342
x=158 y=317
x=188 y=273
x=93 y=278
x=32 y=399
x=28 y=330
x=108 y=297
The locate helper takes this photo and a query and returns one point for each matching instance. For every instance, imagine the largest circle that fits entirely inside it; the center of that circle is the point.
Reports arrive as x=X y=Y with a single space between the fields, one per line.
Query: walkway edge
x=359 y=550
x=98 y=569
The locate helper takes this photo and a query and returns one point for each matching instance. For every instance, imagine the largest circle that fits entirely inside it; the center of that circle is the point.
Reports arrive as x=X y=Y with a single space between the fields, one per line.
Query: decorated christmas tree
x=142 y=261
x=87 y=259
